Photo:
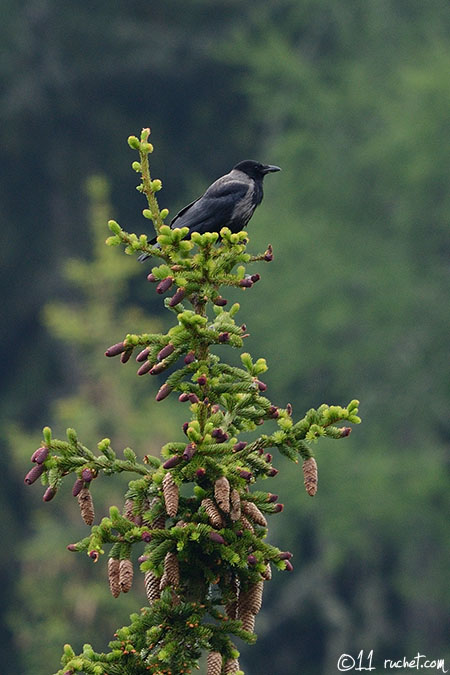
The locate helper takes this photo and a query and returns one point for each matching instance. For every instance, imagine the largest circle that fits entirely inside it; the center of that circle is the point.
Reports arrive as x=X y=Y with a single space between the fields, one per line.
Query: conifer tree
x=194 y=514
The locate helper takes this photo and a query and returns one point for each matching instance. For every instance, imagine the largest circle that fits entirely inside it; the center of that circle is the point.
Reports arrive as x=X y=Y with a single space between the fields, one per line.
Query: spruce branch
x=202 y=549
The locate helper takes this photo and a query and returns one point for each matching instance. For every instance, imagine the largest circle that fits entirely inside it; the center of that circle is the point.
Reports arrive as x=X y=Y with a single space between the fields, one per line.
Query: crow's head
x=255 y=170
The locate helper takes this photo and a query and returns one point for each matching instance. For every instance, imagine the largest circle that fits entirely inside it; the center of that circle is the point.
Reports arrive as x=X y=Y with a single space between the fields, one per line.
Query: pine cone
x=235 y=505
x=231 y=666
x=158 y=523
x=214 y=663
x=222 y=493
x=125 y=575
x=254 y=513
x=86 y=505
x=172 y=569
x=214 y=515
x=231 y=607
x=113 y=576
x=151 y=586
x=310 y=476
x=128 y=509
x=171 y=495
x=252 y=598
x=248 y=620
x=267 y=574
x=246 y=524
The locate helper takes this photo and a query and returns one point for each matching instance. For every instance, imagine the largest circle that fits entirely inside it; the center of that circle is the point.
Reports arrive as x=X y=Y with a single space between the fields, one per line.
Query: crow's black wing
x=215 y=209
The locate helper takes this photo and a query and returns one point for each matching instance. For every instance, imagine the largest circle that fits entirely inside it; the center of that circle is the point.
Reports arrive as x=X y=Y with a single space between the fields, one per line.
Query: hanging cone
x=113 y=576
x=254 y=513
x=267 y=574
x=171 y=495
x=222 y=494
x=151 y=586
x=231 y=606
x=214 y=663
x=235 y=513
x=172 y=569
x=158 y=523
x=125 y=575
x=252 y=598
x=246 y=524
x=214 y=516
x=248 y=620
x=310 y=476
x=86 y=505
x=231 y=666
x=128 y=509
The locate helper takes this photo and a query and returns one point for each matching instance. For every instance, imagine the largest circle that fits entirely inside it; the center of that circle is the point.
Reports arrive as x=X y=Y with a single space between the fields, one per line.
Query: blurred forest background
x=352 y=100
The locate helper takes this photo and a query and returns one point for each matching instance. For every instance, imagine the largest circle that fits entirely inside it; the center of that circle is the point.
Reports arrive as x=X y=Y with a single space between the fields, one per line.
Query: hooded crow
x=229 y=202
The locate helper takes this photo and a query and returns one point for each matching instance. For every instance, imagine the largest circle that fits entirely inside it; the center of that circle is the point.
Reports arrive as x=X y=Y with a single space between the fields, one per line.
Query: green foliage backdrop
x=352 y=100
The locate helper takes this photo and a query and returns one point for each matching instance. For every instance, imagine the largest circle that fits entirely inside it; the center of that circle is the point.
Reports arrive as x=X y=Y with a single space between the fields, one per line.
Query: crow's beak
x=270 y=168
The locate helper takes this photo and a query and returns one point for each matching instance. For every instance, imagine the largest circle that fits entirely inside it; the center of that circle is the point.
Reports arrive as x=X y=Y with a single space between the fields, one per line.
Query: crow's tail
x=145 y=256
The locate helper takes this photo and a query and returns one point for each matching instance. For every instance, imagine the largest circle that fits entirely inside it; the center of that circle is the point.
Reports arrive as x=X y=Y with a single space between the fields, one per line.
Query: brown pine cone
x=171 y=495
x=267 y=574
x=254 y=513
x=251 y=599
x=248 y=620
x=214 y=515
x=222 y=494
x=214 y=663
x=125 y=575
x=86 y=505
x=151 y=586
x=231 y=607
x=231 y=666
x=128 y=509
x=158 y=523
x=172 y=569
x=310 y=476
x=246 y=524
x=113 y=576
x=235 y=513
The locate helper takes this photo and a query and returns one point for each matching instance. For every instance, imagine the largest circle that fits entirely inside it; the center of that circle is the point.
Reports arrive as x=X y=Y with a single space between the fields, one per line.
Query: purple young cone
x=219 y=301
x=224 y=337
x=246 y=283
x=114 y=350
x=189 y=358
x=142 y=356
x=183 y=397
x=145 y=368
x=146 y=536
x=239 y=446
x=189 y=451
x=166 y=351
x=34 y=474
x=77 y=487
x=87 y=475
x=49 y=494
x=177 y=298
x=164 y=285
x=217 y=538
x=285 y=555
x=126 y=356
x=271 y=498
x=158 y=368
x=245 y=474
x=251 y=559
x=40 y=455
x=151 y=277
x=172 y=461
